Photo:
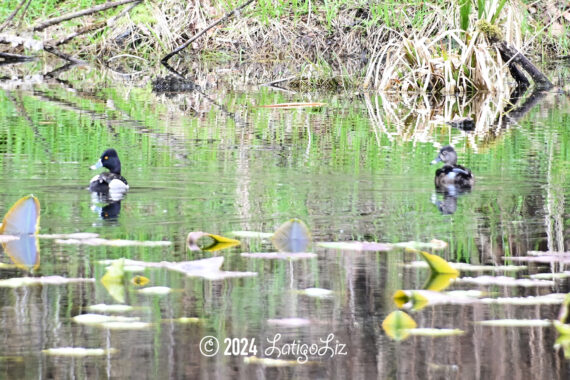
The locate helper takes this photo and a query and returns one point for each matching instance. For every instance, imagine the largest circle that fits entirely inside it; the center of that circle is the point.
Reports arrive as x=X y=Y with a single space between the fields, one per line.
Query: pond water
x=356 y=169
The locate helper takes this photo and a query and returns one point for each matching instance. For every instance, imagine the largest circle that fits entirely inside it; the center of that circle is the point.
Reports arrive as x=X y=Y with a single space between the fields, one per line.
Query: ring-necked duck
x=112 y=180
x=451 y=173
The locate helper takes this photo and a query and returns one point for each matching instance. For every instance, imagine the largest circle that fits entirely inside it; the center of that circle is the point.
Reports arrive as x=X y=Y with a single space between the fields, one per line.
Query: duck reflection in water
x=451 y=180
x=111 y=208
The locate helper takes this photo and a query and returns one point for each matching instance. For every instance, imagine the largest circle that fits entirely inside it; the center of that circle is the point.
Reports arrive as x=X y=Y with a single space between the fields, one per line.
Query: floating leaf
x=550 y=276
x=516 y=322
x=78 y=351
x=503 y=281
x=22 y=218
x=75 y=235
x=279 y=255
x=206 y=268
x=416 y=245
x=357 y=246
x=139 y=280
x=436 y=263
x=548 y=299
x=435 y=332
x=471 y=267
x=24 y=252
x=102 y=308
x=418 y=299
x=113 y=242
x=439 y=281
x=294 y=105
x=317 y=292
x=183 y=320
x=542 y=257
x=268 y=362
x=216 y=243
x=289 y=322
x=292 y=236
x=156 y=290
x=252 y=234
x=563 y=341
x=113 y=281
x=17 y=282
x=397 y=324
x=117 y=325
x=98 y=319
x=562 y=328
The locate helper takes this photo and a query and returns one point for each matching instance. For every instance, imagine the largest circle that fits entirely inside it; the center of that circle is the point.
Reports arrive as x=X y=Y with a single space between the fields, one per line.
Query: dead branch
x=185 y=44
x=84 y=12
x=62 y=55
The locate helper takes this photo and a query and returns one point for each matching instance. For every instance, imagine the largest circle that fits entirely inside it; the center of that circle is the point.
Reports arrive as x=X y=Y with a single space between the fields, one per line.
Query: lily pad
x=317 y=292
x=516 y=323
x=279 y=255
x=118 y=325
x=205 y=268
x=548 y=299
x=103 y=308
x=550 y=276
x=397 y=325
x=78 y=351
x=113 y=242
x=562 y=328
x=252 y=234
x=98 y=319
x=435 y=332
x=503 y=281
x=155 y=290
x=471 y=267
x=357 y=246
x=416 y=245
x=418 y=299
x=17 y=282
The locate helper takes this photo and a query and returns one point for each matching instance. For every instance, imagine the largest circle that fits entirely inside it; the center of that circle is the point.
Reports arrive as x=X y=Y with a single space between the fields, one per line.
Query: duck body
x=452 y=174
x=111 y=181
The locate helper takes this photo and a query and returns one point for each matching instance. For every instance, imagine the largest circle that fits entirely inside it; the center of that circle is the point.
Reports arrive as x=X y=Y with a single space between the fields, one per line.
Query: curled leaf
x=139 y=280
x=216 y=242
x=22 y=218
x=292 y=236
x=397 y=324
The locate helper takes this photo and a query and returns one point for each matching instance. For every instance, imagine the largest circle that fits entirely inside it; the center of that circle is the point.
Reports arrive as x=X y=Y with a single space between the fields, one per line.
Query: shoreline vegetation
x=436 y=47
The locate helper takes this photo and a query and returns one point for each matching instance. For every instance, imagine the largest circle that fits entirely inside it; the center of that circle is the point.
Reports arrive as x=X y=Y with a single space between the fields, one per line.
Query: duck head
x=447 y=155
x=110 y=160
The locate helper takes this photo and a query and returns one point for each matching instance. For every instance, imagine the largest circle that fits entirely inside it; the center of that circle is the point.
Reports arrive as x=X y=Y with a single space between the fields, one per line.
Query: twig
x=11 y=16
x=23 y=13
x=93 y=27
x=84 y=12
x=274 y=82
x=9 y=57
x=62 y=55
x=185 y=44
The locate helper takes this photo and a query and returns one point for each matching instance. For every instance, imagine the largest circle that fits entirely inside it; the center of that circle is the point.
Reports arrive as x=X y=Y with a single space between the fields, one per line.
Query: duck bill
x=98 y=165
x=436 y=160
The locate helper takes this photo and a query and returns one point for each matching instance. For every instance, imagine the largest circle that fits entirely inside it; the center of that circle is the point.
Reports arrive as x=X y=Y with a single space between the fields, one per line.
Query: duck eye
x=106 y=157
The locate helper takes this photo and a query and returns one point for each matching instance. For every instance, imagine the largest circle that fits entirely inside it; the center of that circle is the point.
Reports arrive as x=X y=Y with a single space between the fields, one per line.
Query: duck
x=108 y=181
x=451 y=174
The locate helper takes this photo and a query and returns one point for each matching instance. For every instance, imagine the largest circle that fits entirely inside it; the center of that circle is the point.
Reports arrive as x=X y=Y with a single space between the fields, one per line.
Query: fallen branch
x=12 y=58
x=84 y=12
x=93 y=27
x=513 y=56
x=185 y=44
